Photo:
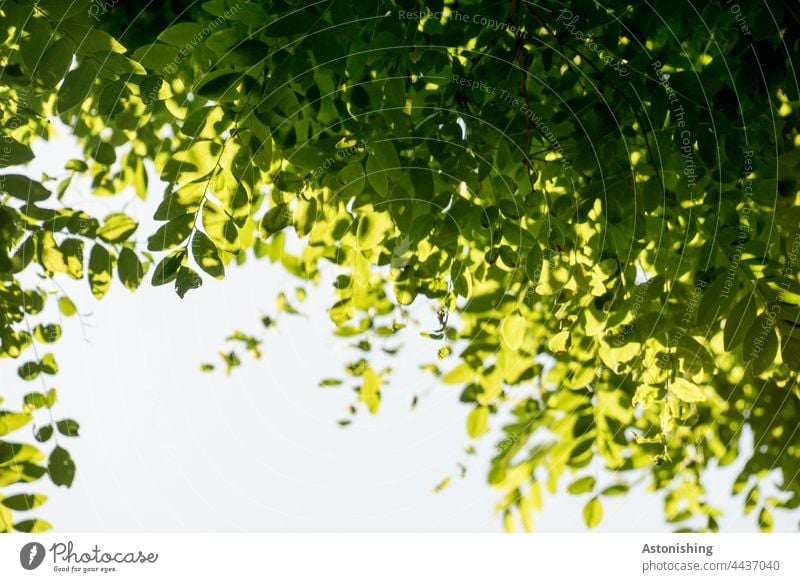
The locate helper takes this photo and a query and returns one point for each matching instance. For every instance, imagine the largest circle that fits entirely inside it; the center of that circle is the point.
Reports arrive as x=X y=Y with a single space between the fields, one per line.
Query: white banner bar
x=401 y=557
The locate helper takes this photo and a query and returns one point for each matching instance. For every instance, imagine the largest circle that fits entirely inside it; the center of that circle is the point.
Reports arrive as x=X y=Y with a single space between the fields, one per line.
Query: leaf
x=352 y=179
x=23 y=188
x=613 y=490
x=460 y=374
x=117 y=228
x=182 y=34
x=220 y=228
x=761 y=344
x=645 y=395
x=377 y=177
x=34 y=401
x=582 y=485
x=369 y=231
x=222 y=88
x=72 y=251
x=54 y=63
x=187 y=279
x=24 y=501
x=765 y=521
x=275 y=220
x=29 y=371
x=385 y=156
x=49 y=365
x=129 y=269
x=44 y=433
x=478 y=421
x=76 y=86
x=330 y=382
x=559 y=342
x=100 y=267
x=47 y=334
x=157 y=56
x=593 y=513
x=11 y=421
x=33 y=526
x=686 y=391
x=205 y=254
x=61 y=467
x=91 y=39
x=533 y=264
x=739 y=322
x=167 y=270
x=171 y=234
x=68 y=427
x=14 y=153
x=66 y=306
x=512 y=330
x=370 y=391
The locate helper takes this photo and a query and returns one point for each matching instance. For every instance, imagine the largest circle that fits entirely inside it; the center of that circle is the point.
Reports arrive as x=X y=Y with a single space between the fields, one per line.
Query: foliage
x=599 y=204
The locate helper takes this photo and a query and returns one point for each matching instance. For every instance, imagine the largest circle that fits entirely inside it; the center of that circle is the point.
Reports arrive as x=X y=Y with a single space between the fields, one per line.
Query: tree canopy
x=598 y=200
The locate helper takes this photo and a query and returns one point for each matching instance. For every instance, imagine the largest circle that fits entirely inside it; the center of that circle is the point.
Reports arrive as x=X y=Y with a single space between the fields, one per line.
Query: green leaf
x=66 y=306
x=24 y=501
x=687 y=391
x=118 y=227
x=33 y=526
x=182 y=34
x=184 y=200
x=739 y=322
x=760 y=346
x=167 y=270
x=206 y=255
x=275 y=220
x=223 y=88
x=72 y=251
x=91 y=39
x=582 y=485
x=68 y=427
x=377 y=177
x=100 y=267
x=11 y=421
x=54 y=63
x=220 y=228
x=187 y=279
x=386 y=159
x=129 y=269
x=61 y=467
x=613 y=490
x=533 y=264
x=172 y=234
x=370 y=231
x=478 y=421
x=158 y=56
x=512 y=330
x=593 y=512
x=76 y=86
x=765 y=521
x=49 y=365
x=14 y=153
x=29 y=371
x=370 y=391
x=35 y=400
x=23 y=188
x=47 y=334
x=44 y=433
x=352 y=179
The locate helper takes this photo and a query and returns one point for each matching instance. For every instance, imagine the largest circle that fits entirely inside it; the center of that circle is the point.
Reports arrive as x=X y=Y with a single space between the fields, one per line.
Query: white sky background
x=164 y=447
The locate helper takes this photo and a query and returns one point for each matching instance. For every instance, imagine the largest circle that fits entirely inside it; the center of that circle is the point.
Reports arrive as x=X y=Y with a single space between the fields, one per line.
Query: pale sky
x=164 y=447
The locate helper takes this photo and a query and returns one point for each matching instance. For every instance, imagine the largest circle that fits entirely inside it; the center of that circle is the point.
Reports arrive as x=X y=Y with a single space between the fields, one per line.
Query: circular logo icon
x=31 y=555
